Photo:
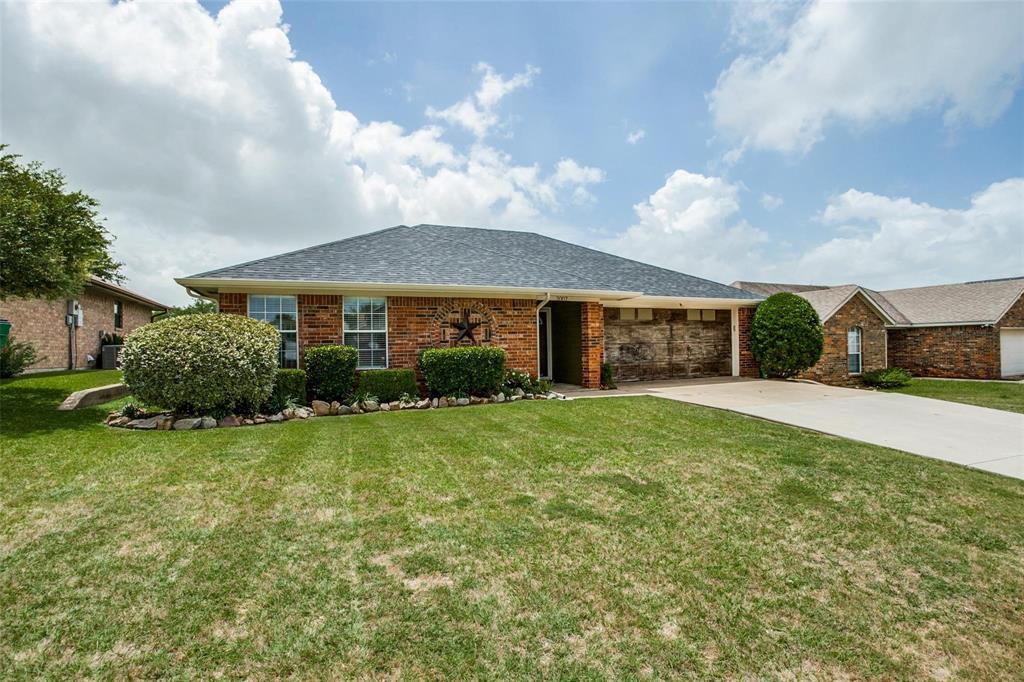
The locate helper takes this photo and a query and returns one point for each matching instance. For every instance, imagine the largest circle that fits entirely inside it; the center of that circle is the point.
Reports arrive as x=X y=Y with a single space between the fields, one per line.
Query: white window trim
x=387 y=332
x=859 y=353
x=298 y=342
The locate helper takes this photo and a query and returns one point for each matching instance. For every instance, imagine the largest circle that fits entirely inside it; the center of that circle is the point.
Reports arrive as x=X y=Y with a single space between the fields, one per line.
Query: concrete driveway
x=978 y=437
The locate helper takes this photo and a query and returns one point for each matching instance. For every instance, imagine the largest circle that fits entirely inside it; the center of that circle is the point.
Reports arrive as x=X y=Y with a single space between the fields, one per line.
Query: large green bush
x=463 y=370
x=331 y=371
x=202 y=364
x=786 y=337
x=389 y=384
x=890 y=377
x=289 y=384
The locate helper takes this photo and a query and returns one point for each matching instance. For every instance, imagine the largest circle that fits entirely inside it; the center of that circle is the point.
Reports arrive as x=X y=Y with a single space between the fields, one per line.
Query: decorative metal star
x=465 y=328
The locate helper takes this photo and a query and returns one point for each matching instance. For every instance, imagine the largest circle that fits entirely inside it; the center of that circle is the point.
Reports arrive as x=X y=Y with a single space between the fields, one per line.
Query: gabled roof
x=769 y=288
x=826 y=302
x=125 y=293
x=980 y=302
x=443 y=255
x=968 y=303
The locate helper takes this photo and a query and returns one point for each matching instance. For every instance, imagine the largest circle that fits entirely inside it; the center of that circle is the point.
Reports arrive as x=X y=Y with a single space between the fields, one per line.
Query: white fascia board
x=680 y=302
x=395 y=289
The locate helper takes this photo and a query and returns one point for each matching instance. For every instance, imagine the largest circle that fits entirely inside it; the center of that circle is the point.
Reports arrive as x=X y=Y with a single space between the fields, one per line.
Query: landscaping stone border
x=165 y=421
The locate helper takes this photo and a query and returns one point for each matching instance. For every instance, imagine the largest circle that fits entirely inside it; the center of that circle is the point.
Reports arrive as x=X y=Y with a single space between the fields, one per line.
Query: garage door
x=1011 y=348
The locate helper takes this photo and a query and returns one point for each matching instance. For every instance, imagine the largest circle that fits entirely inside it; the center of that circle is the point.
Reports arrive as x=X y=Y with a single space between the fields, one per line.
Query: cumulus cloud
x=208 y=142
x=770 y=202
x=693 y=224
x=636 y=135
x=894 y=242
x=862 y=63
x=477 y=112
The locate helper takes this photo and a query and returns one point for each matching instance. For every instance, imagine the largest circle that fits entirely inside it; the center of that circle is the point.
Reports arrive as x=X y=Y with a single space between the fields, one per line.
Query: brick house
x=559 y=310
x=101 y=308
x=972 y=330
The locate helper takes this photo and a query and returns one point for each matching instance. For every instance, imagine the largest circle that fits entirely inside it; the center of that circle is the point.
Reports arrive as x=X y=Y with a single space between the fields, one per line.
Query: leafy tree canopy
x=199 y=306
x=52 y=238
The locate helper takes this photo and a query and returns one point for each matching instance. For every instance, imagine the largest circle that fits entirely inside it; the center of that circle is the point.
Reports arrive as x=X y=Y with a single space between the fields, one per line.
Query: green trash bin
x=5 y=331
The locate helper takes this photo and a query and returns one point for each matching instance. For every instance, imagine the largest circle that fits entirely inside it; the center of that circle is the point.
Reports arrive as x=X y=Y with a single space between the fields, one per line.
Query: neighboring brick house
x=102 y=308
x=972 y=330
x=559 y=310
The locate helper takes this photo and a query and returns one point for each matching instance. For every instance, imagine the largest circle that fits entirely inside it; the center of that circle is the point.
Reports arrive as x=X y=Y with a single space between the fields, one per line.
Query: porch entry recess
x=560 y=342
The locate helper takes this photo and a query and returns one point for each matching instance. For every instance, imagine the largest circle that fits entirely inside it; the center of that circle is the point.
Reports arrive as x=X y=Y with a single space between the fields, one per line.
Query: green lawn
x=621 y=537
x=1000 y=395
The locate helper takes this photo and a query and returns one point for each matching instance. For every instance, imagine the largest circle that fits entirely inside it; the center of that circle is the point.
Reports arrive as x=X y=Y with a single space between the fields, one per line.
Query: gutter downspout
x=536 y=319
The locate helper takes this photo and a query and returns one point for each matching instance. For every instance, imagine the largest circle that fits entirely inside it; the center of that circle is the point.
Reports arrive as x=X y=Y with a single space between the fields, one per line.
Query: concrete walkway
x=978 y=437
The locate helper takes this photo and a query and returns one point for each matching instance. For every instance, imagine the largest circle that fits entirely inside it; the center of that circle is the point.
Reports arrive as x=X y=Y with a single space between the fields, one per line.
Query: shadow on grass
x=28 y=405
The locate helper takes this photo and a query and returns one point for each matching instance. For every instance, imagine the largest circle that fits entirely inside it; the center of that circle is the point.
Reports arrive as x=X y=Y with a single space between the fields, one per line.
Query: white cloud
x=208 y=143
x=862 y=63
x=476 y=112
x=770 y=202
x=894 y=242
x=636 y=135
x=692 y=224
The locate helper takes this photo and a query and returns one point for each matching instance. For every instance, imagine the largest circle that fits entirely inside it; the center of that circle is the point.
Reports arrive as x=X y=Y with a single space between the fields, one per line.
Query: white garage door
x=1011 y=348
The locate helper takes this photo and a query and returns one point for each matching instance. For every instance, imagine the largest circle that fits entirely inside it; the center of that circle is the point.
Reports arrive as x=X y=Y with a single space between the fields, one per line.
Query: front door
x=544 y=342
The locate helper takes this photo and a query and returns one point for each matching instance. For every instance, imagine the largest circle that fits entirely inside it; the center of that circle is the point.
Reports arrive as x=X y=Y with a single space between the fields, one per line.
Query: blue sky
x=767 y=150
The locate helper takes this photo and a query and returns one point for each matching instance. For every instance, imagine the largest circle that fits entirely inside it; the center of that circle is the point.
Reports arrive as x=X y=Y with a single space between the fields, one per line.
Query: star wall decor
x=465 y=328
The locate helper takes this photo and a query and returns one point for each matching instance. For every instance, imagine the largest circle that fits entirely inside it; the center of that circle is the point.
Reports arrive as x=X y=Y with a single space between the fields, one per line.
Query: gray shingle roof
x=769 y=288
x=467 y=256
x=982 y=302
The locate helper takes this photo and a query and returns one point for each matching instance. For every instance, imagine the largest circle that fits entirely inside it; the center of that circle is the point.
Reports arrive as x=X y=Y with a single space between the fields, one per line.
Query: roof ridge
x=580 y=246
x=292 y=253
x=576 y=275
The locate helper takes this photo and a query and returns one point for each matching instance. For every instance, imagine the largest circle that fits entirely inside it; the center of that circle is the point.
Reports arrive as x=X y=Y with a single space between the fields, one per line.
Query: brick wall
x=592 y=341
x=833 y=367
x=319 y=320
x=42 y=324
x=416 y=322
x=668 y=346
x=748 y=365
x=968 y=352
x=234 y=304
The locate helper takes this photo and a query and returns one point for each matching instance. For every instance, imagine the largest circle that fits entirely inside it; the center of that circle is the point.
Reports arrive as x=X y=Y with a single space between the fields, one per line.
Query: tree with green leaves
x=52 y=239
x=199 y=306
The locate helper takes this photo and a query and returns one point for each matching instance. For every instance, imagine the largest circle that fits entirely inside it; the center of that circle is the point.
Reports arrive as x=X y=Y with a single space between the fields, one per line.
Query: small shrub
x=131 y=410
x=463 y=370
x=515 y=379
x=890 y=377
x=389 y=384
x=543 y=387
x=786 y=337
x=289 y=384
x=331 y=372
x=202 y=364
x=608 y=376
x=16 y=357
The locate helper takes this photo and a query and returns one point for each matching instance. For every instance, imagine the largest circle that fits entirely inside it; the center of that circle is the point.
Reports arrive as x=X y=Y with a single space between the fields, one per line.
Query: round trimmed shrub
x=389 y=384
x=331 y=371
x=786 y=337
x=202 y=364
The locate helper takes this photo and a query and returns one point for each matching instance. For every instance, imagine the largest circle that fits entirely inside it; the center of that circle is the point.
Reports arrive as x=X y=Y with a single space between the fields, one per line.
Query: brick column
x=592 y=338
x=319 y=320
x=748 y=365
x=233 y=304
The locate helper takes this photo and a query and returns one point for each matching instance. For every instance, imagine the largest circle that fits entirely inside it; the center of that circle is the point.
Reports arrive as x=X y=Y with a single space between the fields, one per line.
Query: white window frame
x=387 y=339
x=298 y=352
x=860 y=350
